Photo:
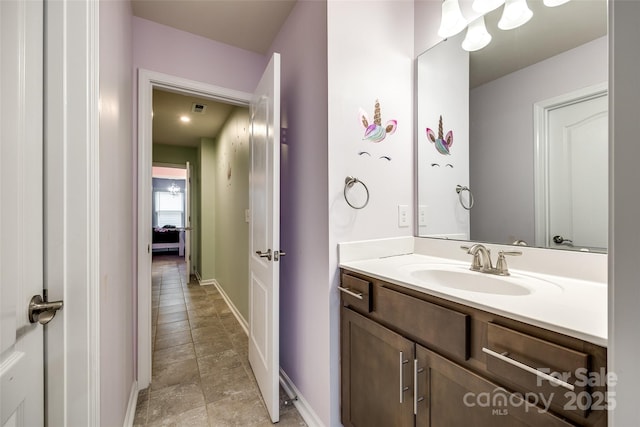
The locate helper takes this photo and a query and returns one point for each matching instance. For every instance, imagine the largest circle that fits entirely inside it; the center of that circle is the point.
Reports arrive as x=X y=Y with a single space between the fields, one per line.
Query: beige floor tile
x=183 y=372
x=173 y=339
x=243 y=411
x=172 y=317
x=216 y=363
x=169 y=328
x=168 y=356
x=234 y=382
x=172 y=309
x=174 y=400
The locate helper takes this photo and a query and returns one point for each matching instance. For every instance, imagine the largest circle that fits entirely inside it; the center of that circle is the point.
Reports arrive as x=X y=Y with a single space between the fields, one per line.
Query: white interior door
x=264 y=205
x=21 y=212
x=578 y=174
x=187 y=224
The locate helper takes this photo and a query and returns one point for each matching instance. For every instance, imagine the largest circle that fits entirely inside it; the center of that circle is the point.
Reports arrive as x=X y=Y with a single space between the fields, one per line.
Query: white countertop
x=570 y=306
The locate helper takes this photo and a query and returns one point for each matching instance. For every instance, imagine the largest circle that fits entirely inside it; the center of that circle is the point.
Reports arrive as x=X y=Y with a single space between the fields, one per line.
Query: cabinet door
x=450 y=396
x=377 y=374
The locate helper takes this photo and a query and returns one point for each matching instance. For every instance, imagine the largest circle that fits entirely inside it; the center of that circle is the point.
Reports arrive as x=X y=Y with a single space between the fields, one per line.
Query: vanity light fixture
x=515 y=14
x=477 y=35
x=452 y=20
x=486 y=6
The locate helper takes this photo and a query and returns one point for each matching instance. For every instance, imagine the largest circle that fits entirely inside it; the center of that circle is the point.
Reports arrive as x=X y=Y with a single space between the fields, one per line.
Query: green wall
x=208 y=209
x=232 y=199
x=178 y=155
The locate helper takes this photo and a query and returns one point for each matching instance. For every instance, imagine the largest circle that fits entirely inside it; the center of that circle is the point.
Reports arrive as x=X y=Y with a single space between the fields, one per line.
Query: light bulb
x=515 y=14
x=554 y=3
x=477 y=36
x=486 y=6
x=452 y=20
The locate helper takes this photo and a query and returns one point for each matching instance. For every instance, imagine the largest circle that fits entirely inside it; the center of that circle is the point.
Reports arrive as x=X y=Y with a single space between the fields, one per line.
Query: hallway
x=201 y=373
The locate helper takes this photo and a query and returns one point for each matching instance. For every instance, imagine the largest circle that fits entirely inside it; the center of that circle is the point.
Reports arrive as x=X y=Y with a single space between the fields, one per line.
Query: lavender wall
x=117 y=181
x=304 y=276
x=166 y=50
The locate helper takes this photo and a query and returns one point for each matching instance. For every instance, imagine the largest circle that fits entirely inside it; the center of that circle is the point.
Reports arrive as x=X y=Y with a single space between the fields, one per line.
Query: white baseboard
x=236 y=313
x=208 y=282
x=304 y=409
x=131 y=406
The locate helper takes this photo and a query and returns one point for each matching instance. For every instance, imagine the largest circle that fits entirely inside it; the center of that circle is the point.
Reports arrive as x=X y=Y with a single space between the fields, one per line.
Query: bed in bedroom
x=168 y=239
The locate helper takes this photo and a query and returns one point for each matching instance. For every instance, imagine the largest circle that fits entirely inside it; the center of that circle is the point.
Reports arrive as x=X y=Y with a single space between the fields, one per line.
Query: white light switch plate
x=403 y=216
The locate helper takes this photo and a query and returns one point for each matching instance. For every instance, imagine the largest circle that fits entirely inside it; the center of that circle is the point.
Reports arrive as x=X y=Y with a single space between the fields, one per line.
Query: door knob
x=266 y=254
x=42 y=311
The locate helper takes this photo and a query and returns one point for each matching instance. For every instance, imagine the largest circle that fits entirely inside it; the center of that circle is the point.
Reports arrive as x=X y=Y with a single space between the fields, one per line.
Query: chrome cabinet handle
x=416 y=399
x=350 y=292
x=266 y=254
x=529 y=369
x=402 y=387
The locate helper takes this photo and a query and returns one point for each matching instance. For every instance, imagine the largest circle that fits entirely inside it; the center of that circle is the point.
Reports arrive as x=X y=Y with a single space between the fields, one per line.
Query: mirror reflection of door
x=577 y=173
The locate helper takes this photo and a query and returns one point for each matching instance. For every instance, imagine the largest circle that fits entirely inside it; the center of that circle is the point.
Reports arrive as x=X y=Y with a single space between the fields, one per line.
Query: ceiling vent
x=198 y=108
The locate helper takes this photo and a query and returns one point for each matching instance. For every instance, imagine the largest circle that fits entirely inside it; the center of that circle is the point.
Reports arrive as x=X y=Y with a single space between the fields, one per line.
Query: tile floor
x=201 y=374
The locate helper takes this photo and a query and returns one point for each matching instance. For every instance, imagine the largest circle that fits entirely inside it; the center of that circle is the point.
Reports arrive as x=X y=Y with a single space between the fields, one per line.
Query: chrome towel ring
x=349 y=182
x=460 y=189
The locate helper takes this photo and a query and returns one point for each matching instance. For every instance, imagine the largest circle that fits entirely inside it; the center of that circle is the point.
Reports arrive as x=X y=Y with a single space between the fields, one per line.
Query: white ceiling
x=168 y=129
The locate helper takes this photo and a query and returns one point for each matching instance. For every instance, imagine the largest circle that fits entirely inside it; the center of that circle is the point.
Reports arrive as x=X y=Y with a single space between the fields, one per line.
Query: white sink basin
x=458 y=277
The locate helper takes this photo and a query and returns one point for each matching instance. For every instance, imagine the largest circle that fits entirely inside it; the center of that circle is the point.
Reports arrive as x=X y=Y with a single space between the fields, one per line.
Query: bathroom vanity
x=420 y=346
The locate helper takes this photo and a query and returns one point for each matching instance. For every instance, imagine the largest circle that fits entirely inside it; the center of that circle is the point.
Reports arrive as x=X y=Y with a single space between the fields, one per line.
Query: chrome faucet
x=482 y=259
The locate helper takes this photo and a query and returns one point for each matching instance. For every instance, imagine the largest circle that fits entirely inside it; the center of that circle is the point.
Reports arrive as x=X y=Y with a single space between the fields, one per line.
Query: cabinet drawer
x=432 y=325
x=356 y=292
x=518 y=358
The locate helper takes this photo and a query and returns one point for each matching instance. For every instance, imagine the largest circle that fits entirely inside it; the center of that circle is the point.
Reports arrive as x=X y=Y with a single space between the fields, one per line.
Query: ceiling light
x=477 y=36
x=554 y=3
x=486 y=6
x=452 y=20
x=515 y=14
x=185 y=119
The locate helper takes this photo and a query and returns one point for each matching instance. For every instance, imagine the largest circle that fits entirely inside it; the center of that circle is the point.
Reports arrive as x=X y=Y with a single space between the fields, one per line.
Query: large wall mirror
x=512 y=139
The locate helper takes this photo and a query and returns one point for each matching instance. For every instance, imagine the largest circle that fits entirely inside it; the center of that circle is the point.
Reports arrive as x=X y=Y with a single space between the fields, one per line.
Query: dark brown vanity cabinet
x=412 y=359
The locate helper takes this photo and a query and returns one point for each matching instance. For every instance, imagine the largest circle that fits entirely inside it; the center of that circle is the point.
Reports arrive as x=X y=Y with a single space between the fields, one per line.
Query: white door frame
x=541 y=157
x=147 y=81
x=72 y=208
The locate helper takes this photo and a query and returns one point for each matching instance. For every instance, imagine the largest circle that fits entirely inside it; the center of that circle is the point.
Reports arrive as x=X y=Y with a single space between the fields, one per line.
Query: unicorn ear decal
x=374 y=132
x=443 y=145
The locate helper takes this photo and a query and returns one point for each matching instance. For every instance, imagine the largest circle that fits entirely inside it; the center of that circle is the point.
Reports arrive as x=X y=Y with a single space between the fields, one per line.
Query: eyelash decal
x=386 y=158
x=449 y=165
x=435 y=164
x=364 y=152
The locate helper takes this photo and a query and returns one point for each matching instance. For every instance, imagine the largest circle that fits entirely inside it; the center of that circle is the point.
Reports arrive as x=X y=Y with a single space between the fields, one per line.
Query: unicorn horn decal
x=442 y=144
x=374 y=132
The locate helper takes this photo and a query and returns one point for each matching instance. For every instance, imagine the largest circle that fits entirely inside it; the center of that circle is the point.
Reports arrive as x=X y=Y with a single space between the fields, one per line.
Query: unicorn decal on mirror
x=443 y=145
x=375 y=132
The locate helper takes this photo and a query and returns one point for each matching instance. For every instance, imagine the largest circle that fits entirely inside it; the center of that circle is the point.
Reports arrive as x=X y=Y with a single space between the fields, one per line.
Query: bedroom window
x=169 y=208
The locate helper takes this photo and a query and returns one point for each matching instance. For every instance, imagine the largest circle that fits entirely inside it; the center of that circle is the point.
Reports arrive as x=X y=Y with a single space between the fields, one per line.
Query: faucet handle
x=501 y=264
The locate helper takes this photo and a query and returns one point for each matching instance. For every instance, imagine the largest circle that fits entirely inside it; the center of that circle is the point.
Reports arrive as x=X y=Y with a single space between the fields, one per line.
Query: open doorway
x=209 y=131
x=261 y=338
